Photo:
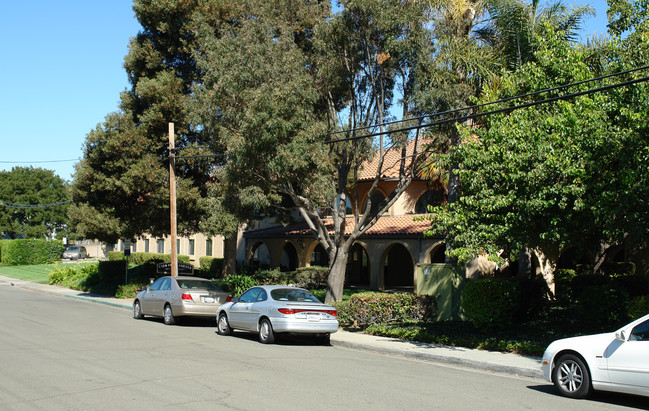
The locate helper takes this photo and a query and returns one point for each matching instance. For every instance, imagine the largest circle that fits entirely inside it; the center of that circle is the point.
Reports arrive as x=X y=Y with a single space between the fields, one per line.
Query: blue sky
x=62 y=73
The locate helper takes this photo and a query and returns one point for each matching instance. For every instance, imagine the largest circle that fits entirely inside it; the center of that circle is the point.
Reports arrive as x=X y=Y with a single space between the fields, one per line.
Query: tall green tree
x=301 y=72
x=570 y=173
x=33 y=203
x=121 y=186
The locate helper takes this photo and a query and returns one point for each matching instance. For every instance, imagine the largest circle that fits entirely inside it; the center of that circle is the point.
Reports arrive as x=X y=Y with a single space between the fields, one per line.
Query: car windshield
x=72 y=249
x=198 y=285
x=291 y=294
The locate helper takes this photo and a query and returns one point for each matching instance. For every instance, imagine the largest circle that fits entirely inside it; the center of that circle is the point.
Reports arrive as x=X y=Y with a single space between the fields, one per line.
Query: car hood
x=594 y=344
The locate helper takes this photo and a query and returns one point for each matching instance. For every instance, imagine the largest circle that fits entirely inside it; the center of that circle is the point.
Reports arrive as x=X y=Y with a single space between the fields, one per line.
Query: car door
x=239 y=313
x=147 y=302
x=628 y=361
x=162 y=296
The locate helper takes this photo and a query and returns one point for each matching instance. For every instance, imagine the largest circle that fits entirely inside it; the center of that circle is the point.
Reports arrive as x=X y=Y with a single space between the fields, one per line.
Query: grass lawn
x=34 y=273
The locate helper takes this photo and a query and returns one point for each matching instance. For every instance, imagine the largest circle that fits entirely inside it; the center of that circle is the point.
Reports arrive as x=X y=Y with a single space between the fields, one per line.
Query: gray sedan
x=274 y=309
x=172 y=297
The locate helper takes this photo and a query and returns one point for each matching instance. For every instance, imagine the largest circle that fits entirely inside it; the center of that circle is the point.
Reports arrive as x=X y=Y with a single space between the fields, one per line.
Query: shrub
x=273 y=277
x=143 y=258
x=601 y=307
x=31 y=252
x=638 y=307
x=490 y=303
x=364 y=309
x=533 y=298
x=236 y=284
x=211 y=265
x=563 y=283
x=129 y=290
x=311 y=277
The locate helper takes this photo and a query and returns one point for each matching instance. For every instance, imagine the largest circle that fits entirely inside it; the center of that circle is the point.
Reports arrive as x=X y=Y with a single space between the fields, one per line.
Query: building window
x=134 y=247
x=178 y=246
x=208 y=248
x=431 y=198
x=191 y=247
x=146 y=245
x=161 y=246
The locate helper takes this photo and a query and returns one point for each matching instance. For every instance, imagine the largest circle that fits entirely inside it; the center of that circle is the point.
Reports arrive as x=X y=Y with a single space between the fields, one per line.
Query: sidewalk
x=492 y=361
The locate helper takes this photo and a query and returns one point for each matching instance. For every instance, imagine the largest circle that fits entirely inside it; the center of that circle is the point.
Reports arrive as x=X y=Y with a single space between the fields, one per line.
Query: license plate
x=313 y=317
x=208 y=299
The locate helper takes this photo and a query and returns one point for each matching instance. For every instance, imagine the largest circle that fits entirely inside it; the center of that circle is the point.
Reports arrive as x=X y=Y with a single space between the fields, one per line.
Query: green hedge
x=236 y=284
x=490 y=303
x=30 y=251
x=143 y=258
x=212 y=266
x=364 y=309
x=314 y=277
x=101 y=278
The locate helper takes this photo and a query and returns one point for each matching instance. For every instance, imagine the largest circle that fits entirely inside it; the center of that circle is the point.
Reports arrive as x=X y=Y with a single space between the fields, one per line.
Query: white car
x=274 y=309
x=616 y=361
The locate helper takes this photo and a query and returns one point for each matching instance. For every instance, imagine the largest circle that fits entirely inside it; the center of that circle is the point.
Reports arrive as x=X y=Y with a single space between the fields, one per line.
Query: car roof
x=273 y=287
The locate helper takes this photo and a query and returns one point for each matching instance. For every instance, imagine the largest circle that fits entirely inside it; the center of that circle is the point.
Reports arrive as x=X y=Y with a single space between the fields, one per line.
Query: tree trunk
x=230 y=255
x=524 y=262
x=336 y=280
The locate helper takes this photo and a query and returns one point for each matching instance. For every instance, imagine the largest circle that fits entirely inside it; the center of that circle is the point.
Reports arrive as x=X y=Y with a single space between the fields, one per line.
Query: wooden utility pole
x=172 y=200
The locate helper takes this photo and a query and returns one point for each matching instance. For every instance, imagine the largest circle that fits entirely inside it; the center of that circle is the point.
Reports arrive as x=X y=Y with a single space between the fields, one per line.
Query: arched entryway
x=358 y=267
x=259 y=255
x=288 y=260
x=398 y=268
x=438 y=254
x=319 y=257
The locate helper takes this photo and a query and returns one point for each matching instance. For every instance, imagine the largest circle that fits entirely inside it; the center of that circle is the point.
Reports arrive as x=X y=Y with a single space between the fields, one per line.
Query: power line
x=502 y=110
x=504 y=100
x=38 y=162
x=32 y=206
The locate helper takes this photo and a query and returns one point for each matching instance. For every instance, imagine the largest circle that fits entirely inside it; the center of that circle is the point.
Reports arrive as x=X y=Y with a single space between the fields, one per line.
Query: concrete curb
x=99 y=301
x=443 y=359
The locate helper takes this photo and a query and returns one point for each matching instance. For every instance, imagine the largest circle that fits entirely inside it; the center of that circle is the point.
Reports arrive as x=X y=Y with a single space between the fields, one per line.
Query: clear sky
x=62 y=73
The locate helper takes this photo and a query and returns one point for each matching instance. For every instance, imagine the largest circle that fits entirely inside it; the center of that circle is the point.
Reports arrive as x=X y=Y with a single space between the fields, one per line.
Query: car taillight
x=286 y=310
x=187 y=296
x=333 y=313
x=229 y=299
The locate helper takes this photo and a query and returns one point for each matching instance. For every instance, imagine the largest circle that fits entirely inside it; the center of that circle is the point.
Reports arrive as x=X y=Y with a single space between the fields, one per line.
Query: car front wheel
x=571 y=377
x=266 y=334
x=168 y=315
x=137 y=311
x=223 y=326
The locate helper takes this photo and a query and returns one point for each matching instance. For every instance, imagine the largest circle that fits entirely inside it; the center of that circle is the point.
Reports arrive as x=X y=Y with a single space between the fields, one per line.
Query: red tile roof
x=403 y=225
x=391 y=162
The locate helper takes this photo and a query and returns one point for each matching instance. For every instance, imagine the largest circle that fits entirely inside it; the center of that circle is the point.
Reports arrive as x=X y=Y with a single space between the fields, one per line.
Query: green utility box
x=445 y=282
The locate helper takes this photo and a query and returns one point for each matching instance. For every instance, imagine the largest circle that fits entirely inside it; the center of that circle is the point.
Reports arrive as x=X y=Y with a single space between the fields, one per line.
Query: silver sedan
x=273 y=309
x=172 y=297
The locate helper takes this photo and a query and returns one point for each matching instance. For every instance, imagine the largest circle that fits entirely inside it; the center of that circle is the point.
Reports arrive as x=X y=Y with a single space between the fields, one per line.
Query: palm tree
x=513 y=26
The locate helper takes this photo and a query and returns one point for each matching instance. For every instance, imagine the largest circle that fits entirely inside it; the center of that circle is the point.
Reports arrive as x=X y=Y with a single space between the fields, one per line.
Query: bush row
x=30 y=251
x=144 y=258
x=103 y=277
x=364 y=309
x=596 y=302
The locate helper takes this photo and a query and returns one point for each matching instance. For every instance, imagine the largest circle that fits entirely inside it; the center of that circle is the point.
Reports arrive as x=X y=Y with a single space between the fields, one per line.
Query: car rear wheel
x=324 y=339
x=168 y=315
x=137 y=311
x=266 y=334
x=223 y=326
x=571 y=377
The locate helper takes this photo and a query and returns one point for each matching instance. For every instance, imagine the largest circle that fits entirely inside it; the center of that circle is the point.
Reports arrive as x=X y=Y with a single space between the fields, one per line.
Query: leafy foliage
x=28 y=186
x=566 y=173
x=30 y=252
x=490 y=303
x=364 y=309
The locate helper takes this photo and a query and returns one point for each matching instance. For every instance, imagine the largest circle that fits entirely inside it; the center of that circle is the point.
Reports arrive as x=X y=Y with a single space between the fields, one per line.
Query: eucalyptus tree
x=283 y=76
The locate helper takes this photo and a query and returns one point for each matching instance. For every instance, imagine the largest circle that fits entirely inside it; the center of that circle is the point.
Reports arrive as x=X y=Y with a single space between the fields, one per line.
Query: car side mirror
x=620 y=336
